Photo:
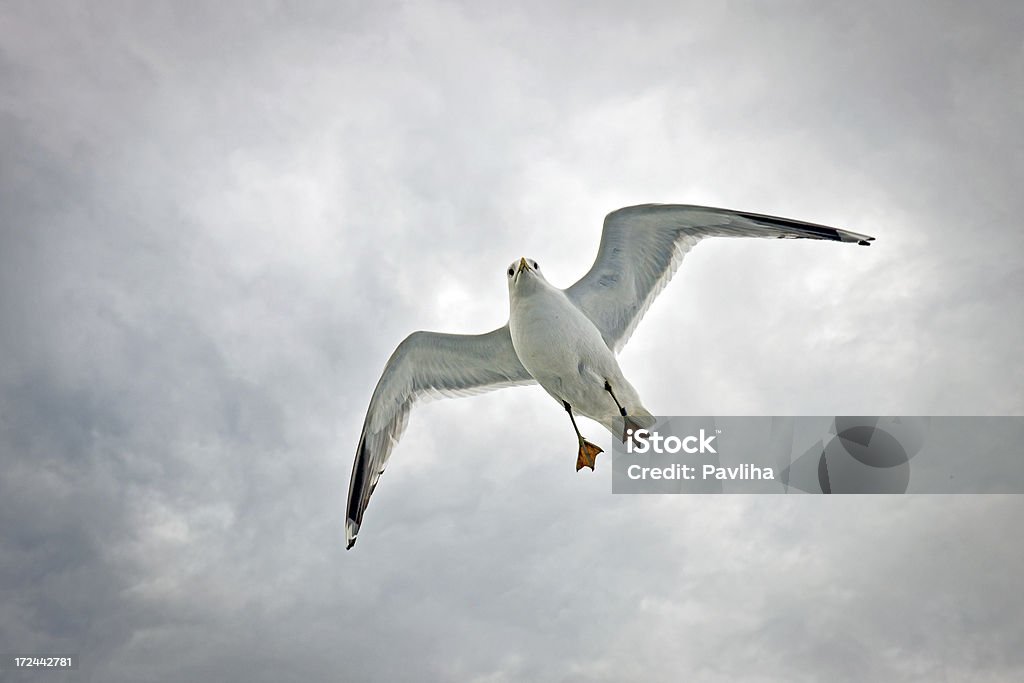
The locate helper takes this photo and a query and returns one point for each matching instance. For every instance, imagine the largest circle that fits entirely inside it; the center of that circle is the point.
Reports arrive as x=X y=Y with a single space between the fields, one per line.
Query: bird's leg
x=628 y=425
x=608 y=388
x=587 y=455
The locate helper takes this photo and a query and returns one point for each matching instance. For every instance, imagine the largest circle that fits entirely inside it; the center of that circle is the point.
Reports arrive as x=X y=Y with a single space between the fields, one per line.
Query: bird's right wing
x=641 y=247
x=425 y=364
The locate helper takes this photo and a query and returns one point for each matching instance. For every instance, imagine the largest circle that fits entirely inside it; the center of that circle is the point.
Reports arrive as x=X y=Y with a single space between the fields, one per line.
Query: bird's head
x=523 y=275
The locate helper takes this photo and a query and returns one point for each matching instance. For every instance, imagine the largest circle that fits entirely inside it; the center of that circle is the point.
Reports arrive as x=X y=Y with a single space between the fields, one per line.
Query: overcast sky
x=217 y=220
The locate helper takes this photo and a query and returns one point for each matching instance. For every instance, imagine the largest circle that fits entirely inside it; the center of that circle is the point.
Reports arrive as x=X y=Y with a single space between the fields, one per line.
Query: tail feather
x=635 y=418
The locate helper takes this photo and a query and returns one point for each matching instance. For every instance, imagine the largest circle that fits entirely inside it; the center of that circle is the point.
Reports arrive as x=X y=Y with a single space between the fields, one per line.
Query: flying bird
x=563 y=339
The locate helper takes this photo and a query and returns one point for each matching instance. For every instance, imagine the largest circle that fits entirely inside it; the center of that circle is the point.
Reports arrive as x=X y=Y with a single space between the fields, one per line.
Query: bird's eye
x=536 y=265
x=511 y=272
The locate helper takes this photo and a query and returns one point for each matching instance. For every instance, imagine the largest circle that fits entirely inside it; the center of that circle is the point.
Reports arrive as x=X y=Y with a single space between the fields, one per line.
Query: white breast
x=553 y=338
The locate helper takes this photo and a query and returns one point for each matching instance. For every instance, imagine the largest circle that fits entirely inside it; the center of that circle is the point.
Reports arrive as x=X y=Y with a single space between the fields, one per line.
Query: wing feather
x=642 y=247
x=425 y=365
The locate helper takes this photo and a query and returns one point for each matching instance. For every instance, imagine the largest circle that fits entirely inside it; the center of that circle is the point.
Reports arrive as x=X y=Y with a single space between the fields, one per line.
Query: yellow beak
x=523 y=265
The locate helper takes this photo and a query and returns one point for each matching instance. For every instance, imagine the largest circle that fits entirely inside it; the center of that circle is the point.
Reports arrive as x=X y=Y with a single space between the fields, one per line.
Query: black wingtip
x=866 y=243
x=350 y=544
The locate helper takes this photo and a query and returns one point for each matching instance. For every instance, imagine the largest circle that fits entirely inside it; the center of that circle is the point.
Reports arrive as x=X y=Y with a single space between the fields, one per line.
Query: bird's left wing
x=425 y=364
x=642 y=246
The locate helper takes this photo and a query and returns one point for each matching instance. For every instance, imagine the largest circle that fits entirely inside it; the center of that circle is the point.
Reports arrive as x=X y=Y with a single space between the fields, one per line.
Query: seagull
x=563 y=339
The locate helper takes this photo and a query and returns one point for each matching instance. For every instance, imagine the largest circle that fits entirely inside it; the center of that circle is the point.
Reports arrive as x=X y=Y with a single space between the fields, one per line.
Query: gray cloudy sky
x=218 y=219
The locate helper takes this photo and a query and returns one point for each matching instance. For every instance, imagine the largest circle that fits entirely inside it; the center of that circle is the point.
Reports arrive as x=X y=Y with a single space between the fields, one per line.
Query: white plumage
x=564 y=339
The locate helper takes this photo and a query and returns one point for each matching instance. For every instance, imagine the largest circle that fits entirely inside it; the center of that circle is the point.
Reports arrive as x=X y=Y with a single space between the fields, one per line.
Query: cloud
x=216 y=225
